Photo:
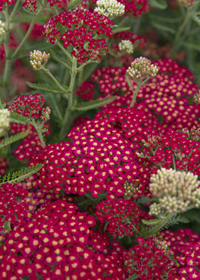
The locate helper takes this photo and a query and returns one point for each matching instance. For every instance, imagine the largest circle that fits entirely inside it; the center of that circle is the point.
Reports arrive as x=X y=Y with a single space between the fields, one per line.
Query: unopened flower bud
x=126 y=45
x=38 y=59
x=2 y=29
x=109 y=8
x=141 y=68
x=4 y=120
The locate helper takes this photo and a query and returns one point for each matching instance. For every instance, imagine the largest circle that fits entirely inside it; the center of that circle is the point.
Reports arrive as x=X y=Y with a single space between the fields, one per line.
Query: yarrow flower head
x=126 y=45
x=175 y=190
x=38 y=59
x=86 y=33
x=3 y=3
x=31 y=106
x=151 y=251
x=4 y=120
x=109 y=8
x=141 y=68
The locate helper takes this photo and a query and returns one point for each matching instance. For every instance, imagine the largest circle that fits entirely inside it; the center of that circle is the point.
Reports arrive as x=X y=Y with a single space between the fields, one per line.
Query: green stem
x=135 y=94
x=27 y=34
x=14 y=10
x=38 y=128
x=56 y=107
x=64 y=50
x=174 y=163
x=54 y=79
x=70 y=98
x=178 y=42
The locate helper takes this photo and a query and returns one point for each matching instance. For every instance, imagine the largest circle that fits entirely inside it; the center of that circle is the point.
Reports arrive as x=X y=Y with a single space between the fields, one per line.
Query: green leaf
x=2 y=106
x=196 y=19
x=13 y=138
x=163 y=27
x=16 y=118
x=83 y=106
x=159 y=4
x=73 y=3
x=175 y=220
x=21 y=175
x=151 y=222
x=7 y=225
x=59 y=59
x=46 y=88
x=192 y=45
x=120 y=29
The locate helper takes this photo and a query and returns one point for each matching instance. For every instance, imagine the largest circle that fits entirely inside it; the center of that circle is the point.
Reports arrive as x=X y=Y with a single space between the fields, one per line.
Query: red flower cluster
x=186 y=250
x=55 y=245
x=149 y=260
x=3 y=165
x=166 y=94
x=122 y=217
x=101 y=158
x=178 y=145
x=12 y=206
x=29 y=106
x=31 y=143
x=82 y=26
x=86 y=90
x=8 y=2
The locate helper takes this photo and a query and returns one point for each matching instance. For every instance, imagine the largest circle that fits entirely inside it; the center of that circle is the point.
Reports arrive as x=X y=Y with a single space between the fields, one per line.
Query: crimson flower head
x=30 y=106
x=85 y=32
x=7 y=2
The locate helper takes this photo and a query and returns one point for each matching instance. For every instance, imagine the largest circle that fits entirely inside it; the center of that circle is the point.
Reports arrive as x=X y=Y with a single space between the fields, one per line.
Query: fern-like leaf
x=174 y=221
x=13 y=139
x=20 y=119
x=120 y=29
x=46 y=88
x=21 y=175
x=84 y=106
x=73 y=3
x=151 y=222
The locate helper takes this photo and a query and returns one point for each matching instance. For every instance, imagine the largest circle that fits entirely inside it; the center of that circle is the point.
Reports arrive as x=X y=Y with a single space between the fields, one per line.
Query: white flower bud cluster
x=2 y=28
x=126 y=45
x=38 y=59
x=141 y=68
x=109 y=8
x=175 y=190
x=4 y=120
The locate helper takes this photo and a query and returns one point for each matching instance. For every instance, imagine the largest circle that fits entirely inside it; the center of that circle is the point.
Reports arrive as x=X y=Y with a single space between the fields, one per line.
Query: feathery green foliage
x=46 y=88
x=174 y=221
x=13 y=138
x=20 y=175
x=16 y=118
x=73 y=3
x=84 y=106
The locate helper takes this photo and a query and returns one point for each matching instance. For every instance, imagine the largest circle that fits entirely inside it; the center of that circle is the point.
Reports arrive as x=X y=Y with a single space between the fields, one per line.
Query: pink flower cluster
x=58 y=244
x=121 y=217
x=30 y=106
x=8 y=2
x=82 y=26
x=31 y=143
